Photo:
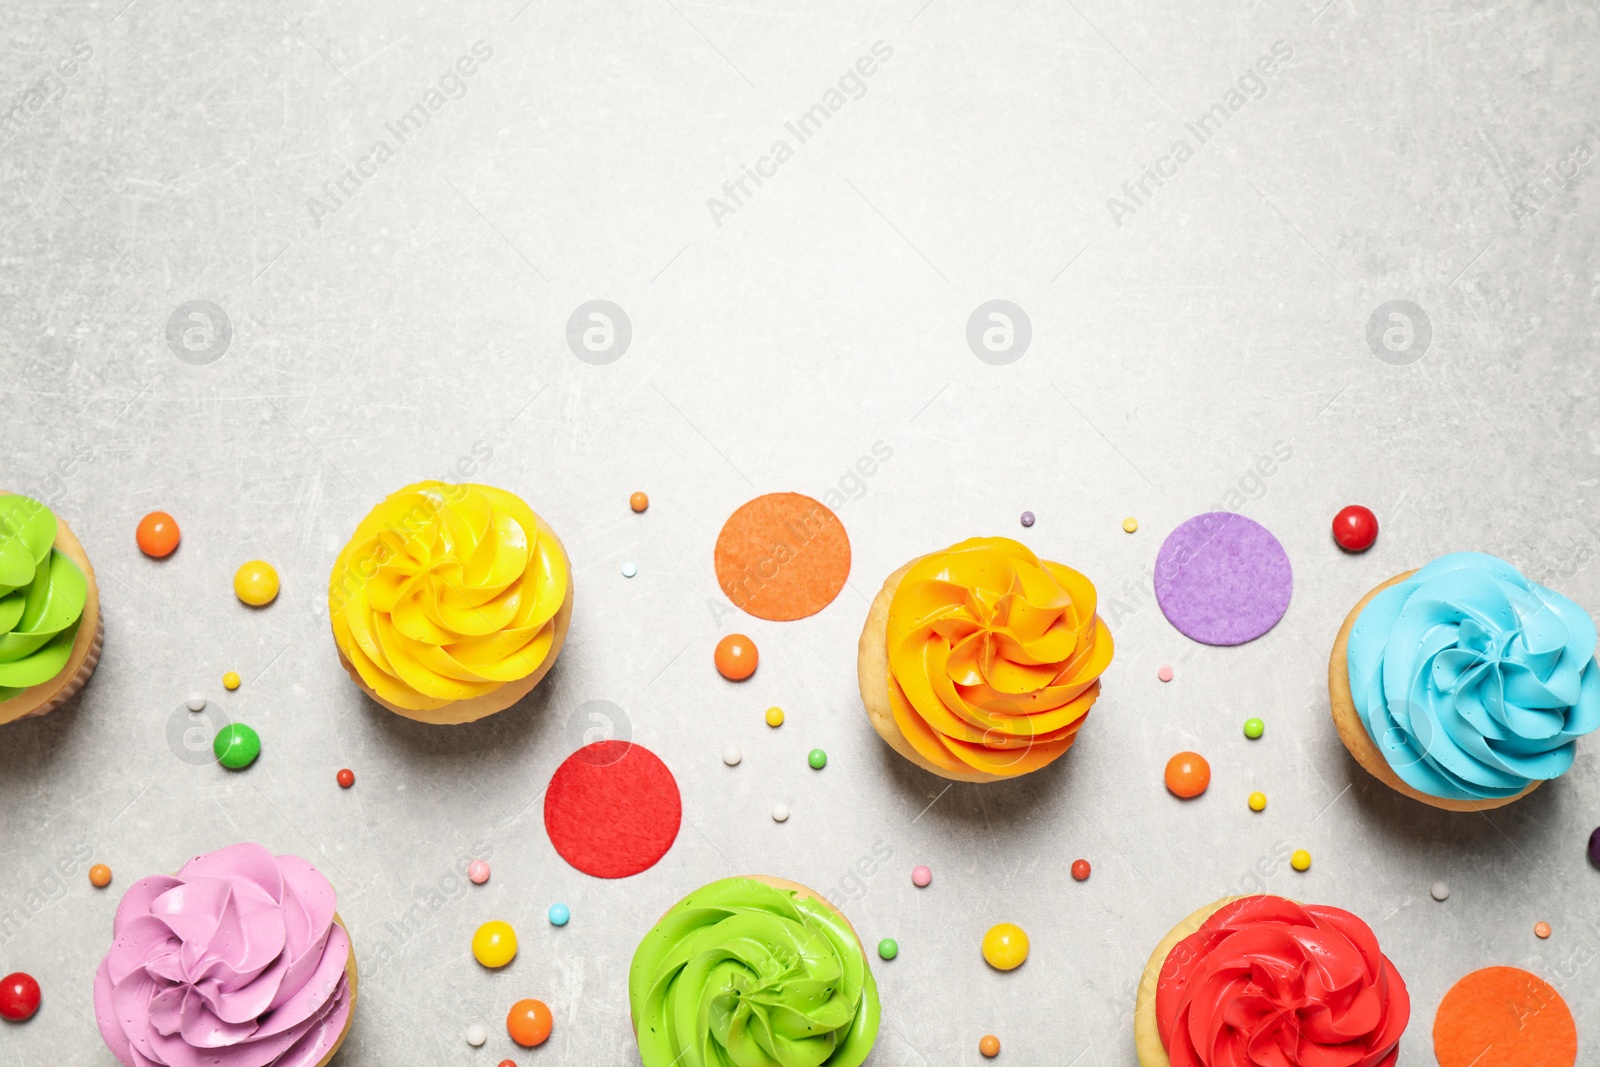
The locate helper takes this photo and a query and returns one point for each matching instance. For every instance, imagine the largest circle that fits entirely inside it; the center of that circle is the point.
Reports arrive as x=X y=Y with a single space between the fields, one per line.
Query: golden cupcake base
x=46 y=697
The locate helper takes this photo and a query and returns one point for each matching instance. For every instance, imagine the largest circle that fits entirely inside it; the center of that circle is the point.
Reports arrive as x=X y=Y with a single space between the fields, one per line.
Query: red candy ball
x=347 y=778
x=19 y=997
x=1355 y=528
x=1080 y=870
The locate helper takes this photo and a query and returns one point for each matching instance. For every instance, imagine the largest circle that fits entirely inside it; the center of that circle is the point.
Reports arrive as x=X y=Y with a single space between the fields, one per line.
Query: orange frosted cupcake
x=451 y=602
x=980 y=662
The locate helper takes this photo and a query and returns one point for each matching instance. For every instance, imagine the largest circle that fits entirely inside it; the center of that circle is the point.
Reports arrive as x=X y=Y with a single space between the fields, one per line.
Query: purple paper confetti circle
x=1223 y=579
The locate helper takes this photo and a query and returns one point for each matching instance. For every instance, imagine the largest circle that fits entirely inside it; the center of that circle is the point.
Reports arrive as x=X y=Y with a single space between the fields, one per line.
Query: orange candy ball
x=989 y=1045
x=157 y=535
x=529 y=1023
x=736 y=657
x=1188 y=774
x=638 y=502
x=99 y=876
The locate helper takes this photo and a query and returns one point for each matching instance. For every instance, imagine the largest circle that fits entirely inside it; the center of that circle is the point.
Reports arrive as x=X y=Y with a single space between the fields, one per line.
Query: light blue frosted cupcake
x=1464 y=684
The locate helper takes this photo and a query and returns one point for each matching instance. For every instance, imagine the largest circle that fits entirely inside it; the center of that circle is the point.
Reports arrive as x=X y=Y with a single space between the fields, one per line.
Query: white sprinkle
x=1440 y=891
x=731 y=755
x=197 y=703
x=780 y=812
x=629 y=570
x=476 y=1035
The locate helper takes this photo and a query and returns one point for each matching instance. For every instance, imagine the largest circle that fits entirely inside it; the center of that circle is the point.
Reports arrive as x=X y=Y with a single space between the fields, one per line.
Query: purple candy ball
x=1027 y=518
x=1594 y=847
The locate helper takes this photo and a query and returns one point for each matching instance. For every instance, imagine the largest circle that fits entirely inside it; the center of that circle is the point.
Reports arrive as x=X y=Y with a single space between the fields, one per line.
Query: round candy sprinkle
x=736 y=657
x=774 y=717
x=477 y=1034
x=1188 y=774
x=477 y=872
x=1440 y=891
x=1594 y=847
x=157 y=535
x=196 y=703
x=731 y=755
x=780 y=812
x=1541 y=930
x=256 y=583
x=817 y=758
x=1130 y=524
x=346 y=778
x=629 y=570
x=888 y=949
x=1355 y=528
x=1005 y=946
x=638 y=501
x=1257 y=801
x=529 y=1023
x=19 y=997
x=1254 y=728
x=99 y=876
x=989 y=1045
x=921 y=877
x=1027 y=518
x=495 y=944
x=231 y=681
x=1301 y=860
x=236 y=746
x=560 y=914
x=1165 y=674
x=1080 y=870
x=508 y=1063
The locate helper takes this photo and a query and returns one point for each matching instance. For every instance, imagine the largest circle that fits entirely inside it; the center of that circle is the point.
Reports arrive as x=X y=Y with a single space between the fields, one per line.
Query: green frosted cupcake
x=758 y=972
x=50 y=628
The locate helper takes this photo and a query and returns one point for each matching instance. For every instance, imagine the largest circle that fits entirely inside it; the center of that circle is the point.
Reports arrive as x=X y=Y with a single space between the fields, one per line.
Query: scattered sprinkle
x=1027 y=518
x=921 y=877
x=817 y=758
x=629 y=570
x=1257 y=801
x=1165 y=674
x=99 y=876
x=638 y=501
x=256 y=583
x=774 y=717
x=495 y=944
x=196 y=703
x=887 y=949
x=736 y=657
x=231 y=681
x=560 y=914
x=477 y=872
x=1440 y=891
x=1188 y=775
x=346 y=778
x=1301 y=860
x=1130 y=524
x=157 y=535
x=1005 y=946
x=731 y=755
x=1541 y=930
x=236 y=746
x=477 y=1034
x=1080 y=870
x=1355 y=528
x=989 y=1045
x=1254 y=728
x=780 y=812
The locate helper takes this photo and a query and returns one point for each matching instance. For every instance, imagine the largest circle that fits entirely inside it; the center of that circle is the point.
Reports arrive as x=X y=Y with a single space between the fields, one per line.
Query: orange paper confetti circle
x=782 y=556
x=1504 y=1017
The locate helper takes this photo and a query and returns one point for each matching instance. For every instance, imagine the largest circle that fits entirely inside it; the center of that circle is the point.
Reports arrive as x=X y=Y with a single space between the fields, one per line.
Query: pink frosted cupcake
x=239 y=961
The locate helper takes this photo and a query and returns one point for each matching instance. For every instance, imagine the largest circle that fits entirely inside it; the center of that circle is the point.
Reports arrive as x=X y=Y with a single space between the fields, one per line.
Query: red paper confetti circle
x=612 y=809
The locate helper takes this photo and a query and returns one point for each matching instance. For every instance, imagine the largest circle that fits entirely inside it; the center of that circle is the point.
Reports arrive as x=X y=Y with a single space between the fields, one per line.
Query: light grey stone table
x=1199 y=215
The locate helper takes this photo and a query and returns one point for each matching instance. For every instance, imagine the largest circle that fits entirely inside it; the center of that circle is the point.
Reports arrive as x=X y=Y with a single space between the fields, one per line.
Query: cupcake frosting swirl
x=744 y=974
x=1266 y=982
x=995 y=657
x=447 y=592
x=42 y=596
x=1473 y=681
x=236 y=962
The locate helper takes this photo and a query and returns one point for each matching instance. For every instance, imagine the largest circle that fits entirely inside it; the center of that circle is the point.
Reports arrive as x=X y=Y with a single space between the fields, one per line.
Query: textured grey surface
x=424 y=321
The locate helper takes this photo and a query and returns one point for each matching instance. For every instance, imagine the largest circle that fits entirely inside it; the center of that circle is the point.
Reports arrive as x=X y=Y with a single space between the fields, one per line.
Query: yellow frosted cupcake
x=451 y=602
x=980 y=662
x=50 y=628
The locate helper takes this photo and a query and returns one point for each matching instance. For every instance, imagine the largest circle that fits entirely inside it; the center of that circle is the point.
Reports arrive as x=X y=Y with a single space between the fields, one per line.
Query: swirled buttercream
x=42 y=595
x=236 y=962
x=1473 y=681
x=995 y=657
x=1266 y=982
x=447 y=592
x=745 y=974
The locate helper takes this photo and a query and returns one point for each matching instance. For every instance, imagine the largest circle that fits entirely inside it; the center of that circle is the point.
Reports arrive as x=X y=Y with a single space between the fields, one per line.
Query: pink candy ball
x=921 y=876
x=478 y=872
x=1165 y=674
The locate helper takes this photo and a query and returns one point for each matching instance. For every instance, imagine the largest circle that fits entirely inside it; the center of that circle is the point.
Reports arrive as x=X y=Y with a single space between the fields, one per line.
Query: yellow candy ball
x=1301 y=860
x=495 y=944
x=230 y=681
x=1258 y=801
x=256 y=583
x=774 y=717
x=1130 y=524
x=1005 y=946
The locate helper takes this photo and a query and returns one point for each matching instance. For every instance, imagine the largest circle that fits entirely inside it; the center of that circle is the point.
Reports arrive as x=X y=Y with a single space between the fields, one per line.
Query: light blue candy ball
x=559 y=915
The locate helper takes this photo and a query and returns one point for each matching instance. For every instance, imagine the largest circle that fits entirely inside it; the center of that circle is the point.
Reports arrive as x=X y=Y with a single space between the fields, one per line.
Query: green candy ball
x=818 y=759
x=236 y=746
x=1254 y=728
x=888 y=949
